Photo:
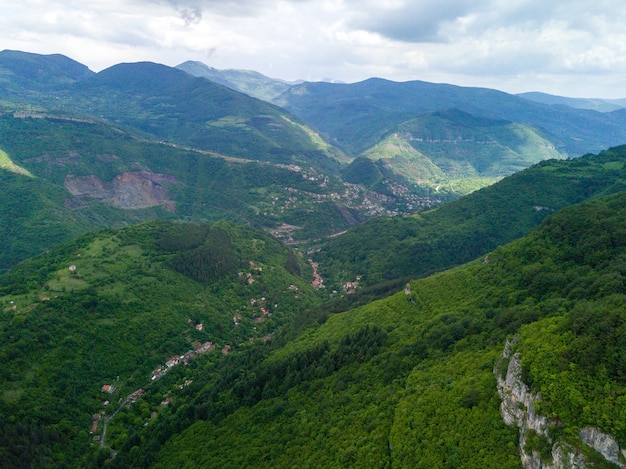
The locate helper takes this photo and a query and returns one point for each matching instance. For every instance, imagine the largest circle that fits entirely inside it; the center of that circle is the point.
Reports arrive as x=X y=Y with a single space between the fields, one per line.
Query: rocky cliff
x=537 y=448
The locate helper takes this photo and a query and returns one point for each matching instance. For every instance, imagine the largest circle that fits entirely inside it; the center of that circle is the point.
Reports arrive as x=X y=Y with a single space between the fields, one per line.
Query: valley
x=205 y=268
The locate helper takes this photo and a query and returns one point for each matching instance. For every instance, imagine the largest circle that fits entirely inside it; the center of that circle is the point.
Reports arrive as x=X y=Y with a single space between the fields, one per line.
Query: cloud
x=410 y=21
x=508 y=44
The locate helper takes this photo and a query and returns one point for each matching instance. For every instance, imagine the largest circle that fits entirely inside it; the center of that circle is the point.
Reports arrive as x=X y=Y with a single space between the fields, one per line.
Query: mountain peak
x=43 y=70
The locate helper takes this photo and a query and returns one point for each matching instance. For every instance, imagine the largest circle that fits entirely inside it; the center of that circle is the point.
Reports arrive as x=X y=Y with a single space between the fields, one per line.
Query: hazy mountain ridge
x=343 y=111
x=168 y=104
x=245 y=81
x=596 y=104
x=39 y=71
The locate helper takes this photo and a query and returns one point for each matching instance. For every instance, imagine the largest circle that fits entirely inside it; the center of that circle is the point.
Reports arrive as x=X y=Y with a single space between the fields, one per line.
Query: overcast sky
x=570 y=48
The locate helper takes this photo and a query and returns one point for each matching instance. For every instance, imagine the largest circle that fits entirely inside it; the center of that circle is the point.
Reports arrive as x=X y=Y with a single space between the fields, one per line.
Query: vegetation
x=110 y=308
x=457 y=153
x=72 y=176
x=140 y=326
x=408 y=381
x=459 y=231
x=358 y=116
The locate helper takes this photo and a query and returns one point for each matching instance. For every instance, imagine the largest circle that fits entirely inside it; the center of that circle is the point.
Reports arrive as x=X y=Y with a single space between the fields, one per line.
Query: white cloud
x=574 y=47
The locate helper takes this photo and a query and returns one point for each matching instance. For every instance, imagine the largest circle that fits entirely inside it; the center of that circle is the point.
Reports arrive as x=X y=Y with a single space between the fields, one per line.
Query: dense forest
x=410 y=381
x=405 y=381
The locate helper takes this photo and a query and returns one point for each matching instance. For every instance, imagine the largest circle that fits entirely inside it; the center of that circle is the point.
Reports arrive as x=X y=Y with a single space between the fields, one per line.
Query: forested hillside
x=410 y=381
x=63 y=177
x=461 y=230
x=192 y=277
x=358 y=115
x=134 y=309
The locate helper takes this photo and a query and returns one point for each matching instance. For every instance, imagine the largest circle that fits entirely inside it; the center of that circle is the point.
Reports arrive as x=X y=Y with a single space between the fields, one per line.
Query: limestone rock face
x=517 y=408
x=604 y=444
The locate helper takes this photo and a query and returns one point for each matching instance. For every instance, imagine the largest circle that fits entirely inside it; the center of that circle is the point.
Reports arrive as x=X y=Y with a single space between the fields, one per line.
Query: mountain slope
x=456 y=153
x=19 y=70
x=461 y=230
x=113 y=308
x=165 y=103
x=64 y=176
x=410 y=381
x=175 y=106
x=602 y=105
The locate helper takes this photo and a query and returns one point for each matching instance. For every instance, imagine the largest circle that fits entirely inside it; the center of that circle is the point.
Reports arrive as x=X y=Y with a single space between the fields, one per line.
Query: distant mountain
x=455 y=153
x=246 y=81
x=172 y=105
x=164 y=103
x=429 y=140
x=357 y=116
x=601 y=105
x=19 y=70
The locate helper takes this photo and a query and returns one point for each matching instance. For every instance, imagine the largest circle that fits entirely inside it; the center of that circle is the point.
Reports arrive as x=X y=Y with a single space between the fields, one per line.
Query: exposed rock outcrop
x=604 y=444
x=133 y=190
x=518 y=408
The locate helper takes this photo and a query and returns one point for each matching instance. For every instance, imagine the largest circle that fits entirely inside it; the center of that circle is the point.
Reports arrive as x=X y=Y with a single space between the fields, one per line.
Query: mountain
x=461 y=230
x=356 y=116
x=601 y=105
x=434 y=142
x=171 y=105
x=412 y=381
x=164 y=103
x=19 y=70
x=452 y=152
x=245 y=81
x=64 y=176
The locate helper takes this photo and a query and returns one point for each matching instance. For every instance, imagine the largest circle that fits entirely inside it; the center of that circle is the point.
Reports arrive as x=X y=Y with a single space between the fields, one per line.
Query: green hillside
x=407 y=381
x=410 y=381
x=22 y=70
x=169 y=104
x=453 y=152
x=192 y=277
x=111 y=308
x=461 y=230
x=64 y=176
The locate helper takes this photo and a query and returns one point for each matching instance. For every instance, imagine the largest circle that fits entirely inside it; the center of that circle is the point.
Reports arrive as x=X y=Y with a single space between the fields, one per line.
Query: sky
x=574 y=48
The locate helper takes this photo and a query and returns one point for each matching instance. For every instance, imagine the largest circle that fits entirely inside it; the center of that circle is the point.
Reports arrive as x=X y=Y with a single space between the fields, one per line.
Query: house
x=107 y=388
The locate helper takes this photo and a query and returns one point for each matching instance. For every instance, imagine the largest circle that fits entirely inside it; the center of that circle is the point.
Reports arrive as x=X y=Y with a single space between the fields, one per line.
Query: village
x=400 y=198
x=257 y=310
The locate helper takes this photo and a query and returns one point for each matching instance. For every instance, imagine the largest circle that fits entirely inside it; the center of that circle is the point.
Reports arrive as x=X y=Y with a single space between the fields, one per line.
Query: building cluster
x=184 y=359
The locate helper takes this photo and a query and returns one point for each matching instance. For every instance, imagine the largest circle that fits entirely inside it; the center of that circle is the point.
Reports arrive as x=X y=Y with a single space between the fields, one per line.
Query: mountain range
x=205 y=268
